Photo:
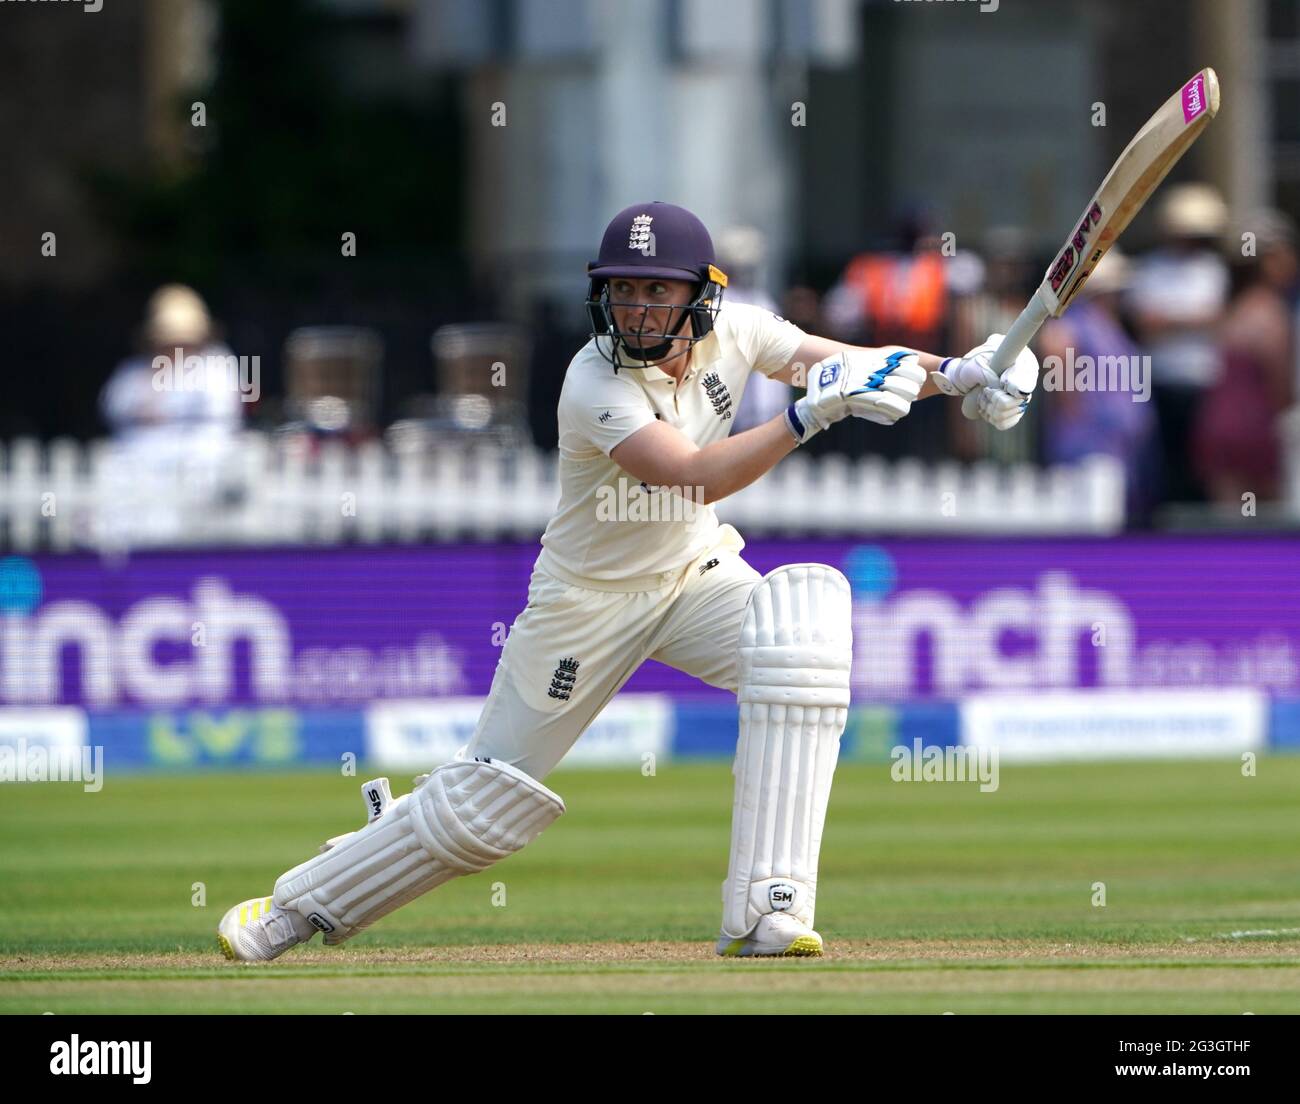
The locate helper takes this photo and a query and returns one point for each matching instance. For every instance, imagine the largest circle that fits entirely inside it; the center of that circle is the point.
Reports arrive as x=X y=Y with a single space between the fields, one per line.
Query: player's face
x=648 y=307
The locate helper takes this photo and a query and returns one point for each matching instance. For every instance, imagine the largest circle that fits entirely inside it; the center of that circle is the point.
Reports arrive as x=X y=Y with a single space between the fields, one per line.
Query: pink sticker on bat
x=1194 y=98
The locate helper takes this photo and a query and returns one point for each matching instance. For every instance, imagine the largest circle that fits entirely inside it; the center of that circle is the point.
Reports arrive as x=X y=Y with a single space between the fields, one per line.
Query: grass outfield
x=933 y=898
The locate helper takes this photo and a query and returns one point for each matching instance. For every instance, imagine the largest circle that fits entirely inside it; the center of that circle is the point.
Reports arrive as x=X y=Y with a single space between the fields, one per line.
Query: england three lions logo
x=566 y=674
x=718 y=394
x=640 y=236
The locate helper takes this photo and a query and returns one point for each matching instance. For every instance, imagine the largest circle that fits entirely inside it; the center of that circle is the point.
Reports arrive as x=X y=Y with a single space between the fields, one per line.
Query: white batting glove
x=962 y=375
x=878 y=387
x=1001 y=409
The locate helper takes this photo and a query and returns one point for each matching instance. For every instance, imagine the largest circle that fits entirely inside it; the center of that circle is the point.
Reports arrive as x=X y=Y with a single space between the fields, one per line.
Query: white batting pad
x=464 y=817
x=796 y=650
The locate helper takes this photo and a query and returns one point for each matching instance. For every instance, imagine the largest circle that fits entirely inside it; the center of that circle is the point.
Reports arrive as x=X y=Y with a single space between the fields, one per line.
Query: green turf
x=936 y=896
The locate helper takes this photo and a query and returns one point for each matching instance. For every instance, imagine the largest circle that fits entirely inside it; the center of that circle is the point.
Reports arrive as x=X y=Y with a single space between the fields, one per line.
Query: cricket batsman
x=635 y=565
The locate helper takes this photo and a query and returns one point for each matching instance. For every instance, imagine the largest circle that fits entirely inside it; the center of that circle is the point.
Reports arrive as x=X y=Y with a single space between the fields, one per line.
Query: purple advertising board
x=933 y=619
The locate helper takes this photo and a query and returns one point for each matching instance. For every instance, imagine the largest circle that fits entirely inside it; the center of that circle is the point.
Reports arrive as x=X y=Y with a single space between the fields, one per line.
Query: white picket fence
x=67 y=495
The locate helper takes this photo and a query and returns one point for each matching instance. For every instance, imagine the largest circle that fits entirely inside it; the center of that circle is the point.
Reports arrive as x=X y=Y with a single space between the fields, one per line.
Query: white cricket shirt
x=609 y=525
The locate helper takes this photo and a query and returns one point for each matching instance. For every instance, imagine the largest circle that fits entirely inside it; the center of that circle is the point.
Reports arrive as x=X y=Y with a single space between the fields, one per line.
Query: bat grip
x=1021 y=333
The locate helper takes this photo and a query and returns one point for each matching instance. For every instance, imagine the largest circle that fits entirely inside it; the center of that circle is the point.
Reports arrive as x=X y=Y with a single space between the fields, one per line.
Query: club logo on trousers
x=566 y=674
x=718 y=394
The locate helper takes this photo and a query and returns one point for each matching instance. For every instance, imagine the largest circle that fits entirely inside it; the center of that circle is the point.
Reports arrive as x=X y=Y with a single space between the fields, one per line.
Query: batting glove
x=1001 y=409
x=962 y=375
x=871 y=385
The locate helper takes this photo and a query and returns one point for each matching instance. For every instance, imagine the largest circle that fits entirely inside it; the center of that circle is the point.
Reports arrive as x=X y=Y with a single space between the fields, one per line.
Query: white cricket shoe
x=776 y=933
x=258 y=931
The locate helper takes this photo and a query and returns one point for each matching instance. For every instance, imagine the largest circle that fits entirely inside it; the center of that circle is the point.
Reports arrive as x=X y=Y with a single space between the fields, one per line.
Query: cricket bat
x=1145 y=161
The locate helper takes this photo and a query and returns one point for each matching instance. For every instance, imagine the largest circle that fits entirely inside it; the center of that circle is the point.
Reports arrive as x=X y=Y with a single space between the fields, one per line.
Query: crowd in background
x=1213 y=306
x=1206 y=322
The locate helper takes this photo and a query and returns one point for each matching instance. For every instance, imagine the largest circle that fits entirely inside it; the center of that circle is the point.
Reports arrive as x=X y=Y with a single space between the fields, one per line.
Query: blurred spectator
x=987 y=296
x=896 y=296
x=175 y=411
x=1078 y=422
x=164 y=407
x=803 y=306
x=742 y=251
x=991 y=299
x=890 y=297
x=1178 y=295
x=1237 y=446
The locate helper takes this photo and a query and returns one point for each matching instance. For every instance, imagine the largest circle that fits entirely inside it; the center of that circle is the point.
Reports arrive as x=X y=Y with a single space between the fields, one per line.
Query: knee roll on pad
x=464 y=817
x=795 y=656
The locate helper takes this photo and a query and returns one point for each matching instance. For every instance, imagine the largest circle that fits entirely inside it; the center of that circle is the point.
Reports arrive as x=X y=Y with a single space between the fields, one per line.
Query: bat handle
x=1022 y=332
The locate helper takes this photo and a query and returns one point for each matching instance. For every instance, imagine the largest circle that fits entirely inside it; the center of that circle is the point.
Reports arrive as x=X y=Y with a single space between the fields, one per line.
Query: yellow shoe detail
x=804 y=947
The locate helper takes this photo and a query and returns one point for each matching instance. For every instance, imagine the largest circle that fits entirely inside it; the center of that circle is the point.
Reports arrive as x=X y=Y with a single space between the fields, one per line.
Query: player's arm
x=867 y=384
x=661 y=455
x=984 y=394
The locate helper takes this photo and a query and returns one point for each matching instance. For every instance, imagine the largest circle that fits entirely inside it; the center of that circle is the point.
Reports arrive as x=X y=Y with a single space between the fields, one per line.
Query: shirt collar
x=704 y=354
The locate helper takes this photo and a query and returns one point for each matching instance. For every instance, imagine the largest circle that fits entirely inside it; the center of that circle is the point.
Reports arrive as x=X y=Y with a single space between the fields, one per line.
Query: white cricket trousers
x=574 y=646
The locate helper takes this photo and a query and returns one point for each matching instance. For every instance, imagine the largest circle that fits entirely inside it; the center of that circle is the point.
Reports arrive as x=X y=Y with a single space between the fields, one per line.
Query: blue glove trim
x=796 y=426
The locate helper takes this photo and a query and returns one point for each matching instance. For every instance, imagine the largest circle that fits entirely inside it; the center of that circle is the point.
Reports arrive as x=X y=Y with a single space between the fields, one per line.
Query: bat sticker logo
x=1193 y=97
x=1075 y=249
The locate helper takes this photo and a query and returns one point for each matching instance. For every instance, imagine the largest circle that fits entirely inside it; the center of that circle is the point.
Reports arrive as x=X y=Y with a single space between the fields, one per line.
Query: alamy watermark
x=21 y=762
x=86 y=5
x=641 y=502
x=76 y=1055
x=984 y=5
x=212 y=374
x=1102 y=373
x=935 y=763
